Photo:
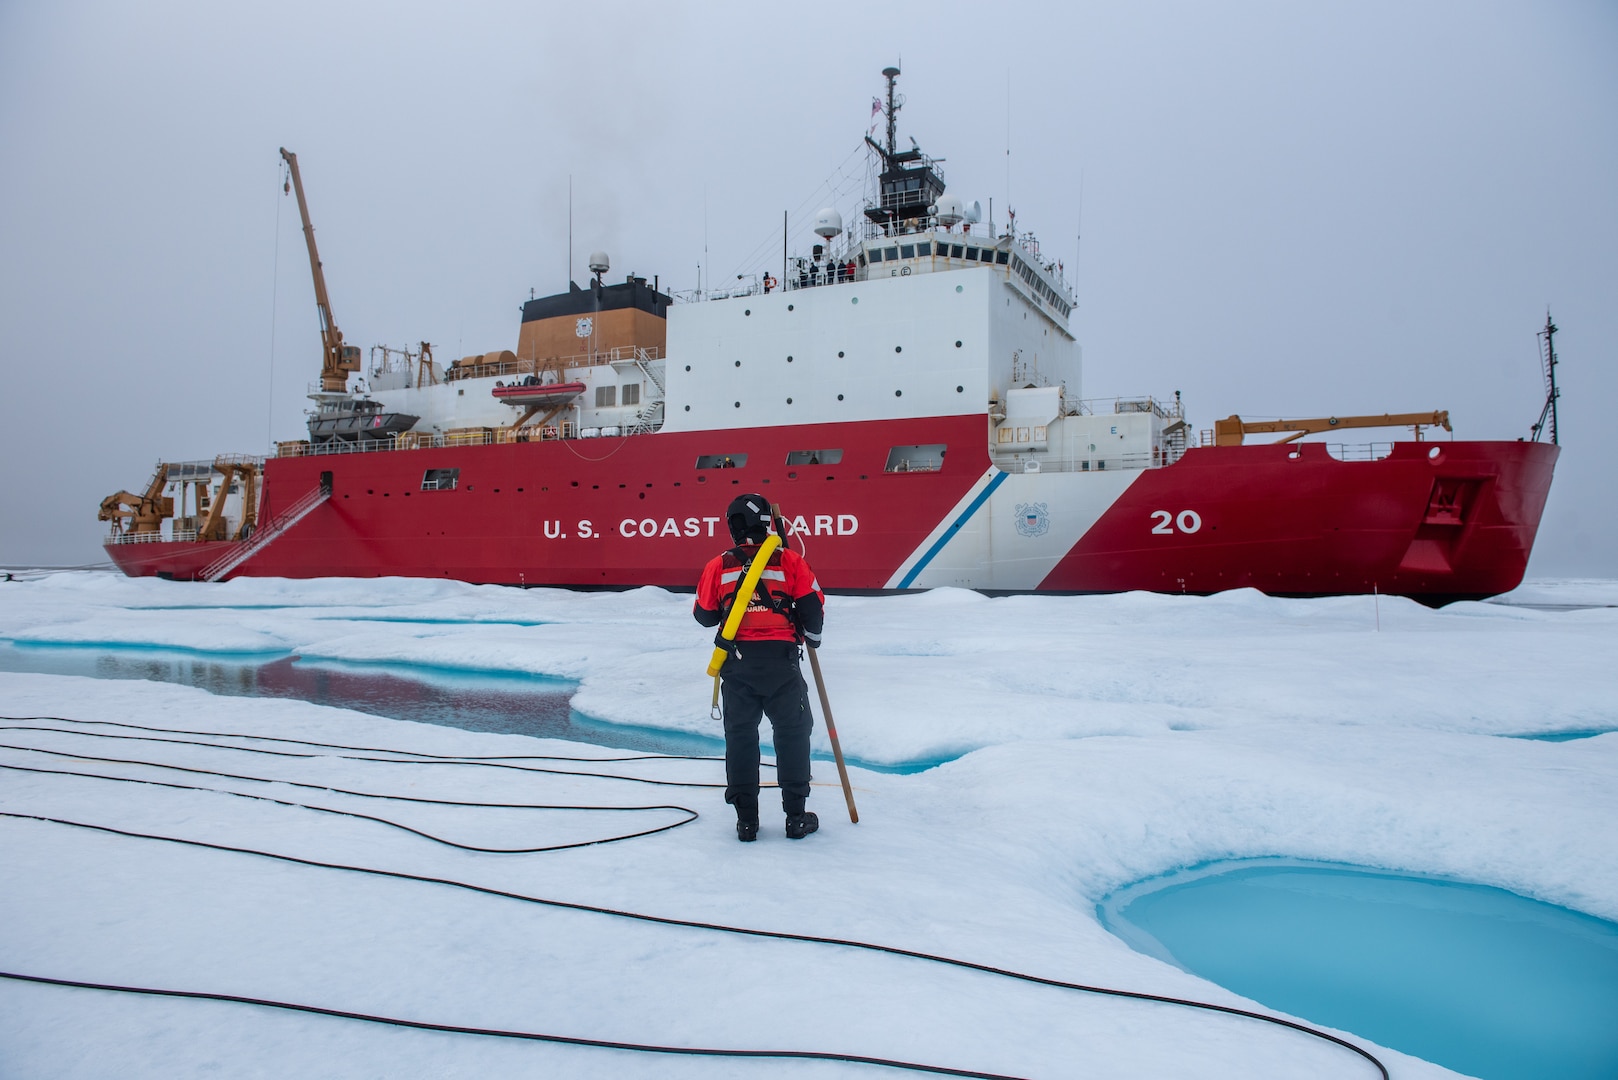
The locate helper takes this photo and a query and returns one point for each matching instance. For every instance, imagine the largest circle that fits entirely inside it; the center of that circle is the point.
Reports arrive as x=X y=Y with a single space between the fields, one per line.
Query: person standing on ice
x=760 y=675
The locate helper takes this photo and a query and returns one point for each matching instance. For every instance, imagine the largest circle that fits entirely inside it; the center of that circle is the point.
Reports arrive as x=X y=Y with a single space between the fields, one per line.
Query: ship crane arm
x=1230 y=432
x=145 y=512
x=336 y=359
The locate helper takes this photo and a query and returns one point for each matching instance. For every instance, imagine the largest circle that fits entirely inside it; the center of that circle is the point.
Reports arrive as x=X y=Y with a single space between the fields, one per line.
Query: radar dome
x=599 y=263
x=948 y=210
x=828 y=223
x=974 y=213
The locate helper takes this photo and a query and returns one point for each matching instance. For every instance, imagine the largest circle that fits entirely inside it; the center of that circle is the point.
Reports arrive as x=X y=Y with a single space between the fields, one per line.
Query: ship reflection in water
x=475 y=701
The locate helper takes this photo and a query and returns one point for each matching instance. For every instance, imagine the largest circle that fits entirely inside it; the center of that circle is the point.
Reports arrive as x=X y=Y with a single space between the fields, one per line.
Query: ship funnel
x=948 y=210
x=828 y=223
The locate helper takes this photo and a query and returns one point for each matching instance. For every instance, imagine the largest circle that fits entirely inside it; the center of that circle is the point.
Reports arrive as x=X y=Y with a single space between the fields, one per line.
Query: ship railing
x=1056 y=463
x=1375 y=451
x=303 y=448
x=533 y=366
x=1141 y=403
x=1371 y=451
x=137 y=538
x=428 y=440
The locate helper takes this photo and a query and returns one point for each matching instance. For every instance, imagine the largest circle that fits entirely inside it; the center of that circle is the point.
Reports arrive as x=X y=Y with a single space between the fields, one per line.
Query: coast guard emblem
x=1033 y=519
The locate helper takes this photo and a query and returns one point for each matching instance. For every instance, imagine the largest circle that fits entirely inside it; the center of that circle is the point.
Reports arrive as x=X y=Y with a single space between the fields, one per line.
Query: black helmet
x=749 y=518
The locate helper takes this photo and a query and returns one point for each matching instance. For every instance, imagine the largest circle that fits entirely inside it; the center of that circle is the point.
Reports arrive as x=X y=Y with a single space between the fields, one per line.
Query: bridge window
x=814 y=457
x=876 y=255
x=1001 y=257
x=925 y=248
x=911 y=459
x=721 y=461
x=440 y=479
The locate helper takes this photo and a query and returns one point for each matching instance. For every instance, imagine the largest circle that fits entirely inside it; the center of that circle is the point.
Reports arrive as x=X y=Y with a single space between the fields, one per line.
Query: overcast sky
x=1291 y=209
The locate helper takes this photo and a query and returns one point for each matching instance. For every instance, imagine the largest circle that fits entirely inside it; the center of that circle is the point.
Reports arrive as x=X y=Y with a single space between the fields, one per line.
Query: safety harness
x=771 y=592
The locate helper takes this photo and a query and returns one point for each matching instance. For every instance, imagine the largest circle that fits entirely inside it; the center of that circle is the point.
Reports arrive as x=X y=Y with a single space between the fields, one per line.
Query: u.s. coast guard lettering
x=653 y=528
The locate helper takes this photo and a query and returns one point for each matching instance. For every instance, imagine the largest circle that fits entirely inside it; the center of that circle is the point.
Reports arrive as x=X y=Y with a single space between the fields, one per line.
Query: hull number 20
x=1187 y=521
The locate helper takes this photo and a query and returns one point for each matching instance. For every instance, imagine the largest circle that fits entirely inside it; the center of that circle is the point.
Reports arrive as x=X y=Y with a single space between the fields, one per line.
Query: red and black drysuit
x=760 y=675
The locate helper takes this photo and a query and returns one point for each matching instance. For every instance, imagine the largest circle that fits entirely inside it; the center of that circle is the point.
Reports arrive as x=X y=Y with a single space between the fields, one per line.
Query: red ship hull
x=1436 y=521
x=1439 y=521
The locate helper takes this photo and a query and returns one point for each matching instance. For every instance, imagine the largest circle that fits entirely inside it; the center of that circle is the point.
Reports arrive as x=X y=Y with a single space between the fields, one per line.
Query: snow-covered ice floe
x=1092 y=742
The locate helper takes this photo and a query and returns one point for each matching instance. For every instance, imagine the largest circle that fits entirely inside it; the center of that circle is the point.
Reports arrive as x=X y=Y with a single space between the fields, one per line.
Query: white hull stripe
x=955 y=527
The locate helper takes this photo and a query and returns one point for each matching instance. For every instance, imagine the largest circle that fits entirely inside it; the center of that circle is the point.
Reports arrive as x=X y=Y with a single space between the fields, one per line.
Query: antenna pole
x=783 y=249
x=892 y=74
x=569 y=230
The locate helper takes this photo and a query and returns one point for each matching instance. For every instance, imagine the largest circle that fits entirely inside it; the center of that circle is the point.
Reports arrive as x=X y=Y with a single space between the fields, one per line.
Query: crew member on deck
x=760 y=674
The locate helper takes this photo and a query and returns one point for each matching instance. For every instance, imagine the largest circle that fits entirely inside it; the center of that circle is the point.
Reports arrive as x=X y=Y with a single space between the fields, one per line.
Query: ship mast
x=1548 y=361
x=910 y=181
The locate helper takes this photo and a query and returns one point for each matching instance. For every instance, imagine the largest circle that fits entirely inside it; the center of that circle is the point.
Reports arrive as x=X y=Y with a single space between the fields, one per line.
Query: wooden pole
x=831 y=729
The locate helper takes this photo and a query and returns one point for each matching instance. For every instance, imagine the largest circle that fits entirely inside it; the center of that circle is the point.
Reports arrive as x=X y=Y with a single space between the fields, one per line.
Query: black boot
x=746 y=820
x=801 y=825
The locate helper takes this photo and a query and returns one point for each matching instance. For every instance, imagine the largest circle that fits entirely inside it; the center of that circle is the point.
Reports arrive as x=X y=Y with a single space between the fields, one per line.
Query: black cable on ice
x=565 y=905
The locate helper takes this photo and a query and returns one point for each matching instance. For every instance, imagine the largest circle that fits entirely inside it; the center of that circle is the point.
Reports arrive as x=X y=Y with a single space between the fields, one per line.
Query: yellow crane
x=1229 y=432
x=336 y=359
x=145 y=513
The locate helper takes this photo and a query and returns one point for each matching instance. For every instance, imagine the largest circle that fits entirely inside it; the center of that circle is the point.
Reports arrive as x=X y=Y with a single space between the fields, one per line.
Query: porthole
x=738 y=363
x=839 y=397
x=749 y=311
x=789 y=359
x=839 y=354
x=688 y=367
x=688 y=408
x=789 y=401
x=898 y=348
x=898 y=393
x=957 y=288
x=738 y=404
x=789 y=307
x=960 y=389
x=853 y=299
x=957 y=345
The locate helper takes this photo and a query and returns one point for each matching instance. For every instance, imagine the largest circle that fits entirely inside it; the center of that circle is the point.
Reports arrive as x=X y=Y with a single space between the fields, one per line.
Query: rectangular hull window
x=440 y=479
x=721 y=461
x=911 y=459
x=814 y=457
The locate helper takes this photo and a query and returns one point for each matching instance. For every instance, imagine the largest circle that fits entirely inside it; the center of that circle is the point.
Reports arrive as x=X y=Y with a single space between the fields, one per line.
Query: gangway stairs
x=263 y=538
